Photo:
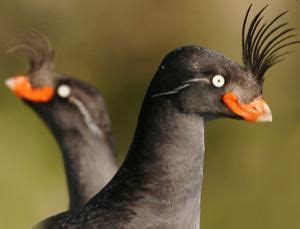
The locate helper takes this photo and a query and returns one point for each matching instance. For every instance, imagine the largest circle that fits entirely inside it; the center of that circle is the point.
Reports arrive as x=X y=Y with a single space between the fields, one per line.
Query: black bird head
x=205 y=82
x=62 y=101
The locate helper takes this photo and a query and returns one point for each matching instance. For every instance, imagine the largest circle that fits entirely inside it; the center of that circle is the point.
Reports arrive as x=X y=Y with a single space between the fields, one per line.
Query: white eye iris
x=218 y=81
x=64 y=91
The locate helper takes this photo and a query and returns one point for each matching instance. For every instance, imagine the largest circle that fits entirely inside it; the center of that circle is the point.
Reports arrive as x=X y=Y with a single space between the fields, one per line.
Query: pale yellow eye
x=64 y=91
x=218 y=81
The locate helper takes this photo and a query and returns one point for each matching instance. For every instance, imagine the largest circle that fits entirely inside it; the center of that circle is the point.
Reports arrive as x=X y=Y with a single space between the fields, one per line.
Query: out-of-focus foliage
x=251 y=170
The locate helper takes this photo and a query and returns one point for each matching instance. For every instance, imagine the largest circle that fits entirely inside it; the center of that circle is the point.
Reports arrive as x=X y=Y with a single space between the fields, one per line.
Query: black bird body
x=87 y=148
x=159 y=183
x=76 y=114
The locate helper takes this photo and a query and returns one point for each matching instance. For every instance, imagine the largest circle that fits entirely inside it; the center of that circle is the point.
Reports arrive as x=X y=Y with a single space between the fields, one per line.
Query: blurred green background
x=251 y=170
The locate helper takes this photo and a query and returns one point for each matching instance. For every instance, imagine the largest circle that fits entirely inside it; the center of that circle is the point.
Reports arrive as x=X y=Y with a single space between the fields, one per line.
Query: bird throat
x=168 y=155
x=159 y=183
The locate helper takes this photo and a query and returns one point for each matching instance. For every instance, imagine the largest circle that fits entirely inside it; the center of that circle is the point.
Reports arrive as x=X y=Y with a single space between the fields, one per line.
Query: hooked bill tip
x=10 y=83
x=267 y=116
x=255 y=111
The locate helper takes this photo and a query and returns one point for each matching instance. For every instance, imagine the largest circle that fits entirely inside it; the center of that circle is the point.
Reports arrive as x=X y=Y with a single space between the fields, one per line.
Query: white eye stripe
x=86 y=116
x=218 y=81
x=174 y=91
x=64 y=91
x=178 y=89
x=197 y=80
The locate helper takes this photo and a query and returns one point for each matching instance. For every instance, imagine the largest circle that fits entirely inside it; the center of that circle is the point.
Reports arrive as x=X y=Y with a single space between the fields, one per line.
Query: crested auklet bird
x=76 y=114
x=159 y=183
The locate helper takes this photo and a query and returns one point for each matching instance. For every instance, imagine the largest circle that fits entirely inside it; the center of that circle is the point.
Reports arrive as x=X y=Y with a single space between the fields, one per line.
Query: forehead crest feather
x=264 y=43
x=40 y=55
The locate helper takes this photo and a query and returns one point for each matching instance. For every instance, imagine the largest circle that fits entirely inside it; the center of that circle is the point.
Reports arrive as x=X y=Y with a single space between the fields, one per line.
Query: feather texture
x=264 y=43
x=37 y=49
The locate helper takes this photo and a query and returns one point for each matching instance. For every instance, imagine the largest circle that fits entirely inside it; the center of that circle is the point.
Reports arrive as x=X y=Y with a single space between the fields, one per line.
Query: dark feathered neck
x=159 y=183
x=168 y=153
x=89 y=161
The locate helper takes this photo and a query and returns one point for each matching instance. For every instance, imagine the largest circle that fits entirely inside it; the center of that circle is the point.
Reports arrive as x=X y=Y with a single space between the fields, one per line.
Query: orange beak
x=256 y=111
x=22 y=88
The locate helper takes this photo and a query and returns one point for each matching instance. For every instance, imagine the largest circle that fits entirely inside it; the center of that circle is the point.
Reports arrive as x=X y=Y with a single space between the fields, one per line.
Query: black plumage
x=79 y=120
x=40 y=55
x=264 y=43
x=159 y=184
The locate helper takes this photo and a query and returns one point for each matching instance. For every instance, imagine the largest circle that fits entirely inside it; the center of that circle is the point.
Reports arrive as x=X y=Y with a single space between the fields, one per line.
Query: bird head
x=209 y=84
x=62 y=101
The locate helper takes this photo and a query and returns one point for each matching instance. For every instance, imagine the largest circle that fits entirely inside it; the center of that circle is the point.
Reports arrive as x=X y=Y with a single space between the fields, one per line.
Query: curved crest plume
x=37 y=49
x=264 y=43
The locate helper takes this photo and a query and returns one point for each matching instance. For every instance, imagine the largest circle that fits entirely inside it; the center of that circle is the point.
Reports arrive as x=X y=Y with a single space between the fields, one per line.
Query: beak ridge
x=22 y=88
x=256 y=111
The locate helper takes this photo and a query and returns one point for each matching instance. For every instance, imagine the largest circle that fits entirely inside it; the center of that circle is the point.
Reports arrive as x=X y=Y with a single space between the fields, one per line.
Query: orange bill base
x=22 y=88
x=256 y=111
